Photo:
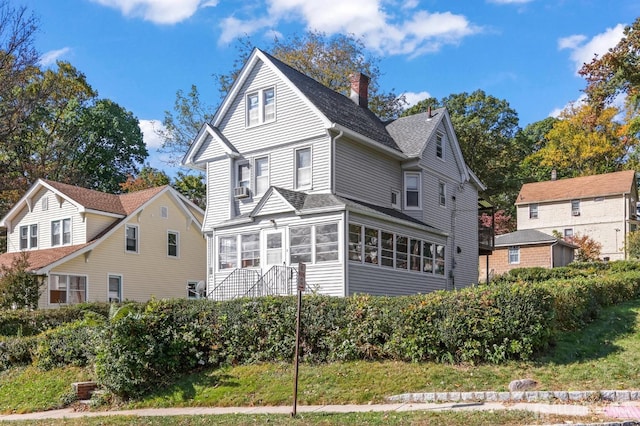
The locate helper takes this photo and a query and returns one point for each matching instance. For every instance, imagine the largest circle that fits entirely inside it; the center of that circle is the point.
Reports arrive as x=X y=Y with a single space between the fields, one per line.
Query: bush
x=71 y=344
x=16 y=351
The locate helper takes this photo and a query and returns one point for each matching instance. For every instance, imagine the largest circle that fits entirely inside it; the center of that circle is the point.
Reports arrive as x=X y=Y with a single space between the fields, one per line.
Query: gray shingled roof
x=525 y=237
x=337 y=107
x=412 y=133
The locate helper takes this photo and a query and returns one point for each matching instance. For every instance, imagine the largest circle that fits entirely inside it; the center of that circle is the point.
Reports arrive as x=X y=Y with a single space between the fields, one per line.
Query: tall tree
x=193 y=187
x=616 y=72
x=585 y=141
x=148 y=177
x=530 y=140
x=329 y=60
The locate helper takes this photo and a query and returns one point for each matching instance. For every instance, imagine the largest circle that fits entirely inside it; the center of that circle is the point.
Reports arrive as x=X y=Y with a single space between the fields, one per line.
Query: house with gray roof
x=525 y=249
x=300 y=174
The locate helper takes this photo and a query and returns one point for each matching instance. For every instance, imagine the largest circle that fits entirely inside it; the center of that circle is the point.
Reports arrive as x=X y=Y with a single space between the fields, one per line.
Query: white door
x=274 y=248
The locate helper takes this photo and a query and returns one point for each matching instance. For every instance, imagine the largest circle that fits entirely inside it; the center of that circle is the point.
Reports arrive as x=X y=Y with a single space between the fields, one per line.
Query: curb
x=529 y=396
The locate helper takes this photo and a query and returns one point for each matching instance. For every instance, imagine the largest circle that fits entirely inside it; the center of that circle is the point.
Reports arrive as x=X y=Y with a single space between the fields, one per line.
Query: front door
x=274 y=248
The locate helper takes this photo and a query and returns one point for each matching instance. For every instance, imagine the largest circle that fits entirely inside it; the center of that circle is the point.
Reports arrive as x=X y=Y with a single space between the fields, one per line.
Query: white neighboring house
x=93 y=246
x=600 y=206
x=299 y=173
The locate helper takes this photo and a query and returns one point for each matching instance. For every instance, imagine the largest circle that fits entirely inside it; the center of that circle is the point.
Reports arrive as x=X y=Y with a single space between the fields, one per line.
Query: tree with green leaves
x=148 y=177
x=584 y=141
x=19 y=288
x=485 y=127
x=193 y=187
x=329 y=60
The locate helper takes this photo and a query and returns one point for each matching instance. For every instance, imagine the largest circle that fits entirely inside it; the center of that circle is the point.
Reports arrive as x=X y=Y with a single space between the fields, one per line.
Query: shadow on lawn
x=185 y=388
x=598 y=339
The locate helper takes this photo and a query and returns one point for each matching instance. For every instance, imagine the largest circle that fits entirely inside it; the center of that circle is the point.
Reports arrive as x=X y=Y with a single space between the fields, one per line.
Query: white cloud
x=52 y=56
x=583 y=51
x=158 y=11
x=413 y=98
x=150 y=129
x=404 y=31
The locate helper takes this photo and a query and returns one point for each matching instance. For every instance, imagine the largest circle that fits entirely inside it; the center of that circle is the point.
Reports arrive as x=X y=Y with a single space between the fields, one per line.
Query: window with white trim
x=412 y=190
x=131 y=238
x=575 y=207
x=415 y=254
x=60 y=232
x=261 y=106
x=33 y=236
x=227 y=252
x=300 y=245
x=355 y=242
x=173 y=240
x=326 y=242
x=67 y=289
x=395 y=199
x=371 y=245
x=250 y=250
x=24 y=237
x=533 y=211
x=244 y=175
x=401 y=252
x=442 y=193
x=427 y=257
x=262 y=175
x=386 y=249
x=514 y=255
x=164 y=212
x=115 y=288
x=568 y=233
x=440 y=260
x=303 y=168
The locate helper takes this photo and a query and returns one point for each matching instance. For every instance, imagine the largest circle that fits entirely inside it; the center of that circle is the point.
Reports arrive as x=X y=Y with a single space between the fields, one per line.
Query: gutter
x=390 y=151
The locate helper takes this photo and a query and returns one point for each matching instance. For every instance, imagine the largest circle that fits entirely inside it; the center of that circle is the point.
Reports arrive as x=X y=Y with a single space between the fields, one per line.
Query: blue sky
x=138 y=53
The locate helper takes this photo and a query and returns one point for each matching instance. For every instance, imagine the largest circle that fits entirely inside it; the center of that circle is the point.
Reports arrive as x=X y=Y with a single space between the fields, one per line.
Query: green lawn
x=606 y=355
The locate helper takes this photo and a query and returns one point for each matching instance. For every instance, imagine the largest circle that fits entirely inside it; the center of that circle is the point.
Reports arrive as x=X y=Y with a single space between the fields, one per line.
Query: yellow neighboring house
x=93 y=246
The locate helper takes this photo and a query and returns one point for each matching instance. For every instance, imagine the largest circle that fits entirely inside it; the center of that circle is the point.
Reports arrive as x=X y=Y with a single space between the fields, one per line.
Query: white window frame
x=120 y=288
x=126 y=237
x=323 y=244
x=513 y=255
x=67 y=289
x=45 y=204
x=232 y=260
x=440 y=145
x=567 y=233
x=270 y=250
x=533 y=211
x=298 y=168
x=31 y=236
x=23 y=237
x=192 y=293
x=261 y=182
x=246 y=182
x=177 y=234
x=62 y=234
x=418 y=175
x=575 y=207
x=395 y=194
x=250 y=255
x=310 y=245
x=442 y=193
x=264 y=116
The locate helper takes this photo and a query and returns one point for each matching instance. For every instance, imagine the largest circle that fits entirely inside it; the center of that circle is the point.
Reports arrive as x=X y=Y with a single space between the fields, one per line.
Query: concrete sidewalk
x=560 y=409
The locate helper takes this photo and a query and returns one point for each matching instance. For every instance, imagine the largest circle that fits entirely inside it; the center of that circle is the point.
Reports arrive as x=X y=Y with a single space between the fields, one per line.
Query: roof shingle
x=575 y=188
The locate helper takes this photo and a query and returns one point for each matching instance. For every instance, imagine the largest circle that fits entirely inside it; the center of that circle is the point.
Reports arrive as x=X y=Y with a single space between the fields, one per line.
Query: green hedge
x=22 y=322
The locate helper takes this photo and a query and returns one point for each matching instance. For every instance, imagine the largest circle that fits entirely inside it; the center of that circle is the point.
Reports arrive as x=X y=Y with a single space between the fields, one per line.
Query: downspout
x=346 y=253
x=345 y=232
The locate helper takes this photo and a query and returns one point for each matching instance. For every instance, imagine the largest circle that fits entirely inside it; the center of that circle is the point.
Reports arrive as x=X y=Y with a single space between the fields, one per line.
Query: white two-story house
x=91 y=246
x=298 y=173
x=600 y=206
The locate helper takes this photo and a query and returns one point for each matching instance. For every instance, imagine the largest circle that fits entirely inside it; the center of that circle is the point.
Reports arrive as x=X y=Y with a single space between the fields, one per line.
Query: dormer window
x=261 y=107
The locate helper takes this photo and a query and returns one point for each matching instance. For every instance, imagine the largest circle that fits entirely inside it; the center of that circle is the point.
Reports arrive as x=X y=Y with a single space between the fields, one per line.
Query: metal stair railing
x=279 y=280
x=237 y=284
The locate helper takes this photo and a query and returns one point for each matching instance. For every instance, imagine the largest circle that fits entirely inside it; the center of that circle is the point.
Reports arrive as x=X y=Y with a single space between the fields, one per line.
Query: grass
x=448 y=418
x=605 y=355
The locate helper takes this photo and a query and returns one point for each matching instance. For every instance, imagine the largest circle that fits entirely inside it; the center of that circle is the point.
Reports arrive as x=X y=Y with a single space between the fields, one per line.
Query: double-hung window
x=227 y=252
x=575 y=207
x=115 y=288
x=261 y=106
x=244 y=175
x=262 y=175
x=300 y=244
x=514 y=255
x=303 y=168
x=131 y=238
x=442 y=193
x=412 y=189
x=250 y=250
x=61 y=232
x=24 y=237
x=533 y=211
x=172 y=243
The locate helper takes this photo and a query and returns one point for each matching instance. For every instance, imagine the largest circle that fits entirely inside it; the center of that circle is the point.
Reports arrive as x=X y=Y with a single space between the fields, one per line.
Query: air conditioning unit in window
x=241 y=192
x=575 y=213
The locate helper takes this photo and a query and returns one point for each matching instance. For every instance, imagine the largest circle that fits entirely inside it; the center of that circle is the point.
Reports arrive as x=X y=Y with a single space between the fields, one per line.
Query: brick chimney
x=360 y=89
